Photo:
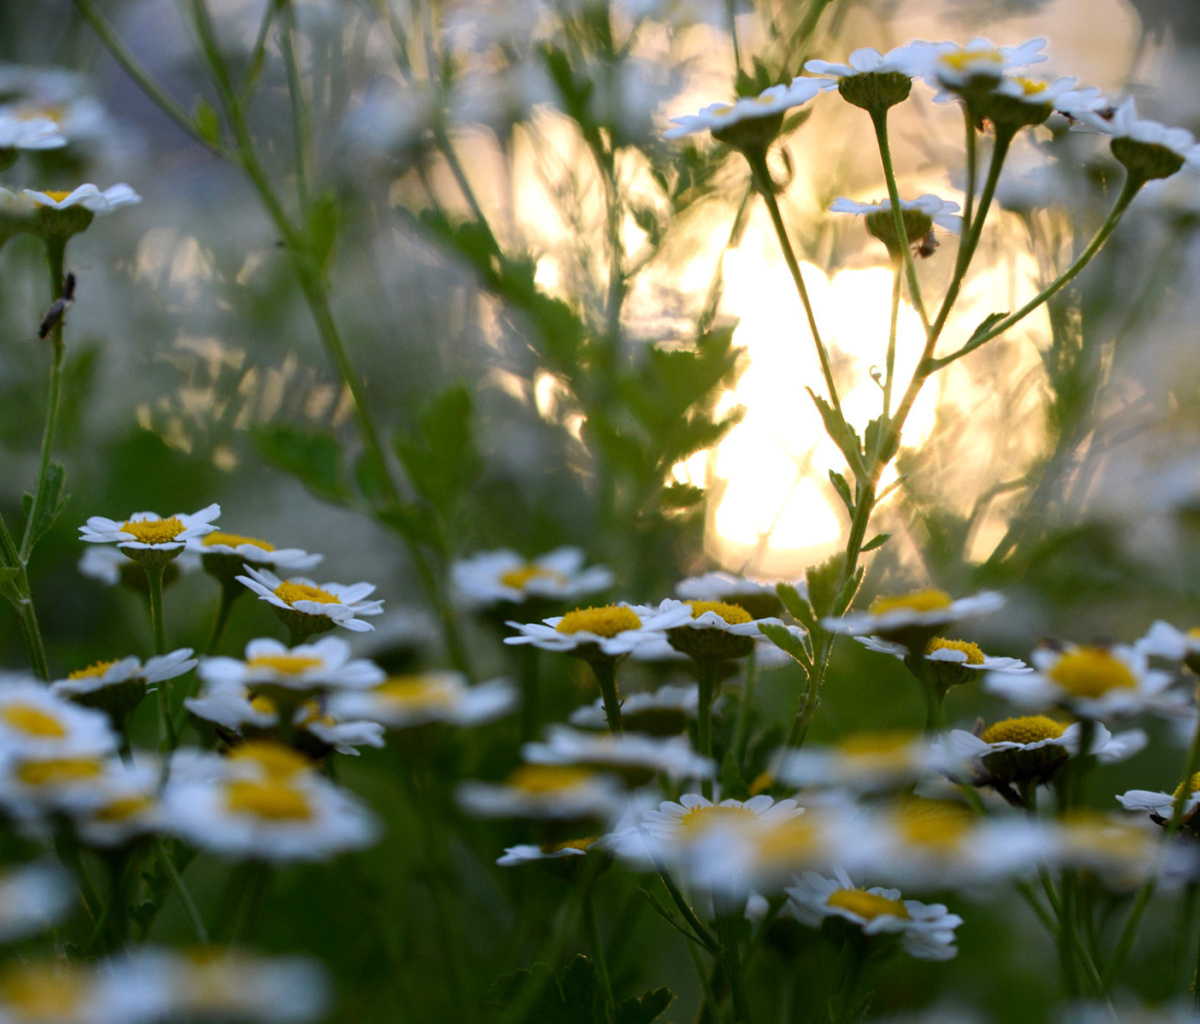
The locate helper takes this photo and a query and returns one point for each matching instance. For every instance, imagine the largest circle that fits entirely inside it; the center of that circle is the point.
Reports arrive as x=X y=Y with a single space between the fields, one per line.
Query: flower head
x=148 y=538
x=89 y=197
x=979 y=62
x=759 y=598
x=494 y=577
x=28 y=132
x=306 y=607
x=873 y=80
x=665 y=712
x=637 y=757
x=401 y=702
x=864 y=761
x=918 y=215
x=752 y=121
x=37 y=722
x=912 y=619
x=715 y=630
x=1147 y=149
x=546 y=791
x=611 y=631
x=225 y=555
x=323 y=665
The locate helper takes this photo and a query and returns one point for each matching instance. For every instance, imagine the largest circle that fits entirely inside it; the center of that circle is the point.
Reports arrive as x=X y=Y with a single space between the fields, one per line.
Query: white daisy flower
x=612 y=631
x=1037 y=92
x=270 y=807
x=953 y=652
x=226 y=554
x=89 y=197
x=34 y=784
x=1162 y=805
x=542 y=791
x=492 y=577
x=228 y=704
x=320 y=607
x=1123 y=852
x=759 y=598
x=664 y=712
x=633 y=755
x=29 y=132
x=926 y=930
x=941 y=211
x=909 y=59
x=32 y=897
x=916 y=615
x=527 y=853
x=717 y=630
x=862 y=762
x=1088 y=681
x=401 y=702
x=1175 y=147
x=324 y=664
x=60 y=991
x=110 y=566
x=35 y=721
x=124 y=804
x=720 y=117
x=147 y=531
x=1162 y=640
x=954 y=66
x=109 y=674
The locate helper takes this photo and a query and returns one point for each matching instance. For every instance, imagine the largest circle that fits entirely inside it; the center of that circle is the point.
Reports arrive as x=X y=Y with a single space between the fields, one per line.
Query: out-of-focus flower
x=926 y=930
x=612 y=631
x=958 y=67
x=89 y=197
x=123 y=804
x=116 y=991
x=542 y=791
x=492 y=577
x=110 y=566
x=751 y=120
x=864 y=761
x=306 y=607
x=1162 y=805
x=401 y=702
x=1162 y=640
x=325 y=664
x=759 y=598
x=526 y=853
x=28 y=132
x=35 y=721
x=909 y=59
x=717 y=630
x=913 y=619
x=939 y=211
x=1147 y=149
x=105 y=674
x=32 y=897
x=226 y=555
x=635 y=756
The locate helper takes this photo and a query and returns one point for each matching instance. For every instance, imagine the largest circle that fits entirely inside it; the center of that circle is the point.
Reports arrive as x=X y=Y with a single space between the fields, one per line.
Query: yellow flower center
x=866 y=904
x=56 y=194
x=569 y=844
x=276 y=761
x=272 y=800
x=1194 y=632
x=607 y=621
x=290 y=593
x=1030 y=87
x=734 y=614
x=701 y=817
x=154 y=531
x=723 y=109
x=123 y=808
x=934 y=824
x=56 y=771
x=414 y=692
x=234 y=539
x=873 y=744
x=46 y=992
x=790 y=841
x=927 y=600
x=960 y=60
x=263 y=705
x=1091 y=672
x=286 y=664
x=32 y=721
x=1193 y=784
x=972 y=651
x=518 y=578
x=93 y=671
x=548 y=778
x=1030 y=729
x=1091 y=831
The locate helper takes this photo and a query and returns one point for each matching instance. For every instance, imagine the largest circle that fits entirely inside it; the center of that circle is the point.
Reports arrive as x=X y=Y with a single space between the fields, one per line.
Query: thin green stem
x=601 y=959
x=742 y=732
x=1128 y=933
x=727 y=934
x=972 y=148
x=685 y=909
x=185 y=897
x=706 y=676
x=258 y=54
x=231 y=590
x=879 y=119
x=889 y=371
x=605 y=670
x=154 y=589
x=254 y=888
x=301 y=118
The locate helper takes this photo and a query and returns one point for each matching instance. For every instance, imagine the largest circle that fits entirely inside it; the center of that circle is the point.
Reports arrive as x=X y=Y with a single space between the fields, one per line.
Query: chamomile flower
x=664 y=712
x=759 y=598
x=306 y=607
x=635 y=756
x=926 y=931
x=1088 y=681
x=935 y=210
x=949 y=662
x=495 y=577
x=35 y=721
x=324 y=664
x=226 y=555
x=146 y=536
x=716 y=630
x=88 y=197
x=1123 y=852
x=1162 y=640
x=1162 y=805
x=32 y=897
x=863 y=762
x=402 y=702
x=543 y=791
x=111 y=567
x=909 y=60
x=958 y=67
x=123 y=804
x=751 y=120
x=29 y=132
x=32 y=784
x=86 y=682
x=919 y=611
x=527 y=853
x=59 y=991
x=1147 y=148
x=611 y=631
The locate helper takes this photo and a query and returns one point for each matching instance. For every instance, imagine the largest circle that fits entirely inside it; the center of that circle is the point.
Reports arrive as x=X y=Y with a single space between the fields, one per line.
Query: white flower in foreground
x=1089 y=682
x=1162 y=640
x=759 y=598
x=954 y=66
x=919 y=614
x=58 y=991
x=122 y=805
x=401 y=702
x=35 y=721
x=324 y=664
x=29 y=132
x=32 y=897
x=491 y=577
x=612 y=631
x=320 y=607
x=1124 y=852
x=106 y=674
x=664 y=712
x=926 y=930
x=89 y=197
x=720 y=117
x=863 y=762
x=543 y=791
x=147 y=531
x=909 y=59
x=33 y=784
x=941 y=211
x=225 y=554
x=1145 y=147
x=633 y=755
x=717 y=630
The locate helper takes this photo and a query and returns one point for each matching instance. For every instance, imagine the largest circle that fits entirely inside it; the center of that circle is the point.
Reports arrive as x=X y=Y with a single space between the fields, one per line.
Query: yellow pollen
x=518 y=578
x=123 y=808
x=1030 y=729
x=288 y=664
x=154 y=531
x=234 y=539
x=570 y=844
x=56 y=771
x=32 y=721
x=56 y=195
x=607 y=621
x=1193 y=785
x=93 y=671
x=960 y=60
x=934 y=824
x=276 y=761
x=290 y=593
x=414 y=691
x=45 y=992
x=972 y=651
x=702 y=817
x=927 y=600
x=866 y=904
x=548 y=778
x=1091 y=672
x=1031 y=87
x=734 y=614
x=272 y=800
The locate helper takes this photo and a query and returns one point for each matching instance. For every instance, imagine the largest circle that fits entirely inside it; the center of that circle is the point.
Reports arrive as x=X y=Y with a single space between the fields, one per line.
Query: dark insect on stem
x=926 y=247
x=58 y=308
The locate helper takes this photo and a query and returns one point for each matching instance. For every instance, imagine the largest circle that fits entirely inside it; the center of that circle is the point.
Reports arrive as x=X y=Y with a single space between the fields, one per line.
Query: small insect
x=926 y=247
x=58 y=308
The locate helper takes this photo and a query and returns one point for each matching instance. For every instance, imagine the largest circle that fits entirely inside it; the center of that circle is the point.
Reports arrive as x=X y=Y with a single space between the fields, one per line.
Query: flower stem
x=597 y=941
x=742 y=733
x=706 y=676
x=154 y=577
x=231 y=590
x=185 y=897
x=905 y=256
x=605 y=670
x=727 y=934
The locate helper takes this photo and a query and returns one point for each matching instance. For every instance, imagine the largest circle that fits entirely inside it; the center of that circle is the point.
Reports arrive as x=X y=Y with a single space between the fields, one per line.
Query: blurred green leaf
x=52 y=503
x=645 y=1009
x=314 y=459
x=441 y=458
x=843 y=489
x=324 y=223
x=207 y=123
x=877 y=541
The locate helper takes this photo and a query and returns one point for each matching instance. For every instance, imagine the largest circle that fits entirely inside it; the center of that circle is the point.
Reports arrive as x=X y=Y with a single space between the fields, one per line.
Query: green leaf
x=839 y=431
x=823 y=583
x=988 y=323
x=441 y=458
x=206 y=123
x=786 y=641
x=797 y=605
x=644 y=1009
x=314 y=459
x=843 y=489
x=568 y=999
x=53 y=501
x=878 y=541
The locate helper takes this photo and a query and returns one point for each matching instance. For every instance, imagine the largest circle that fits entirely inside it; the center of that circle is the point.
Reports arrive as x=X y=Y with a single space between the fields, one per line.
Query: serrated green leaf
x=843 y=489
x=314 y=459
x=681 y=496
x=50 y=504
x=878 y=541
x=644 y=1009
x=441 y=458
x=786 y=641
x=823 y=584
x=570 y=998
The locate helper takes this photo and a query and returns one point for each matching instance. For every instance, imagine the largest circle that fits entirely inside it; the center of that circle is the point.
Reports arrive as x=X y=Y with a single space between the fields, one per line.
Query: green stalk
x=231 y=590
x=706 y=676
x=727 y=929
x=893 y=325
x=185 y=897
x=597 y=941
x=605 y=670
x=905 y=255
x=154 y=575
x=742 y=732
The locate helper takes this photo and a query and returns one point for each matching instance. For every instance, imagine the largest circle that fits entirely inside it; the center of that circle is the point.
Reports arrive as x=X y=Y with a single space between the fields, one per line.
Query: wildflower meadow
x=600 y=511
